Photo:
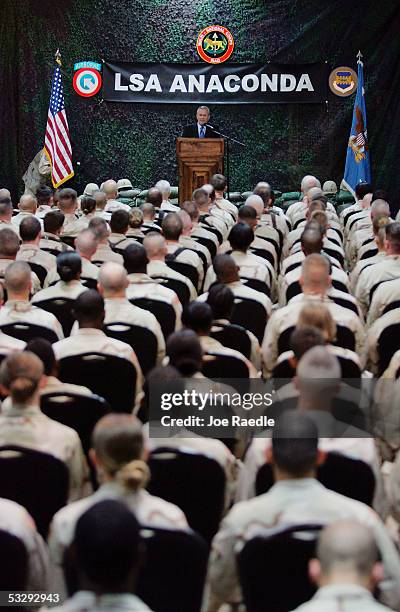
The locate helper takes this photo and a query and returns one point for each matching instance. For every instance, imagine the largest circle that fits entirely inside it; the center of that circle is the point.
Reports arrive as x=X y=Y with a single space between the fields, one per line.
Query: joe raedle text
x=214 y=421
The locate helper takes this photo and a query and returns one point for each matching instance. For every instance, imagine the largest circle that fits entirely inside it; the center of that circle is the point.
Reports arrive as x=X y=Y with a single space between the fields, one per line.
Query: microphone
x=210 y=126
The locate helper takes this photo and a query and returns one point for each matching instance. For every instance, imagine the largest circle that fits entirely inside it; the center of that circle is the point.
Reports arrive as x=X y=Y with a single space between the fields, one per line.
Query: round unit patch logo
x=343 y=81
x=87 y=82
x=215 y=44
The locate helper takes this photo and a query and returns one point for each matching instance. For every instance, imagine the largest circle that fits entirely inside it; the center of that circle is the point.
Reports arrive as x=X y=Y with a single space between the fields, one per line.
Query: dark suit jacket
x=191 y=131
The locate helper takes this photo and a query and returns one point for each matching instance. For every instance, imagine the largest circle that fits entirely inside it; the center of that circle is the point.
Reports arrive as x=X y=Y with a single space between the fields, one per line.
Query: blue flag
x=358 y=169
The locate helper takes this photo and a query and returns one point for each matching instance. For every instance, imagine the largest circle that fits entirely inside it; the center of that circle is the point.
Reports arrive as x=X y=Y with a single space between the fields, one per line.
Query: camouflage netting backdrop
x=138 y=141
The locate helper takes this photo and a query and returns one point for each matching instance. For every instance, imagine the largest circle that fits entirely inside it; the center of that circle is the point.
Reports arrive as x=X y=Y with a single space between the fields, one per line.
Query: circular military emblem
x=343 y=81
x=87 y=82
x=215 y=44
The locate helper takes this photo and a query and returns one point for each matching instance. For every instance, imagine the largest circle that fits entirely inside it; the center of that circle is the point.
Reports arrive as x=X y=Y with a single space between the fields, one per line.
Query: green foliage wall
x=138 y=141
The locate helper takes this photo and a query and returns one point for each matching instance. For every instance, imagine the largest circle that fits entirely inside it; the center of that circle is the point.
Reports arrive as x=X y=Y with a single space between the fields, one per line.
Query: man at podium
x=200 y=129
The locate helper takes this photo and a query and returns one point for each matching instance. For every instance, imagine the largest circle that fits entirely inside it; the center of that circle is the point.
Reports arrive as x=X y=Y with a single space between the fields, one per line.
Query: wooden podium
x=198 y=160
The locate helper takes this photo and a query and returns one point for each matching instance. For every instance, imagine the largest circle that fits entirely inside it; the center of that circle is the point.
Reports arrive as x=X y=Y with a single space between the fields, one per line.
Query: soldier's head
x=69 y=266
x=198 y=316
x=101 y=199
x=191 y=208
x=308 y=182
x=28 y=203
x=294 y=452
x=155 y=246
x=315 y=275
x=89 y=310
x=184 y=351
x=20 y=375
x=248 y=215
x=264 y=190
x=318 y=316
x=113 y=280
x=107 y=548
x=100 y=229
x=135 y=259
x=110 y=189
x=6 y=209
x=256 y=202
x=347 y=553
x=221 y=300
x=302 y=339
x=318 y=378
x=148 y=210
x=200 y=197
x=118 y=450
x=362 y=189
x=164 y=188
x=379 y=225
x=9 y=244
x=218 y=181
x=18 y=281
x=187 y=224
x=154 y=197
x=379 y=208
x=311 y=241
x=240 y=237
x=30 y=230
x=392 y=239
x=53 y=222
x=226 y=269
x=119 y=221
x=67 y=200
x=44 y=195
x=172 y=227
x=86 y=243
x=203 y=115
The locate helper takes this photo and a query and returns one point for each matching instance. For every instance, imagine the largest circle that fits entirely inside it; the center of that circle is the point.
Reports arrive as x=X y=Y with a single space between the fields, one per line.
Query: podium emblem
x=215 y=44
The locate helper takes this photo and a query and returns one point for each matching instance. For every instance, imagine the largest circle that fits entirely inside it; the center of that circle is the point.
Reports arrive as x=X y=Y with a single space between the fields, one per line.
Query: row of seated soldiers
x=257 y=291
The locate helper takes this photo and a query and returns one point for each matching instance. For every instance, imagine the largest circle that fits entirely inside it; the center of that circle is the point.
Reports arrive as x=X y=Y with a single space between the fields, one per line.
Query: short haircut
x=69 y=266
x=148 y=209
x=43 y=195
x=107 y=544
x=221 y=300
x=347 y=546
x=303 y=338
x=17 y=277
x=185 y=352
x=53 y=221
x=172 y=226
x=99 y=227
x=224 y=265
x=29 y=229
x=119 y=221
x=295 y=443
x=203 y=107
x=135 y=258
x=89 y=306
x=154 y=244
x=311 y=241
x=264 y=191
x=6 y=206
x=314 y=268
x=43 y=349
x=247 y=213
x=9 y=242
x=154 y=196
x=218 y=181
x=67 y=198
x=319 y=364
x=240 y=237
x=200 y=197
x=393 y=236
x=362 y=189
x=164 y=187
x=191 y=208
x=198 y=316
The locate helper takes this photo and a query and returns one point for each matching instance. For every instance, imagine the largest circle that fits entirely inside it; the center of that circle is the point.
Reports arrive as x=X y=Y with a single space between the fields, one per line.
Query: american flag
x=360 y=140
x=57 y=143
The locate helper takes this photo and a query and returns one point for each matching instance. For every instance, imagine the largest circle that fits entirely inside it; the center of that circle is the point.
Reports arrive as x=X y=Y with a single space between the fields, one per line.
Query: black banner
x=215 y=84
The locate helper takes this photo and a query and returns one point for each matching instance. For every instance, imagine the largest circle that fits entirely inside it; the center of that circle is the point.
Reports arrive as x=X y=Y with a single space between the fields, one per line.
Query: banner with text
x=212 y=84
